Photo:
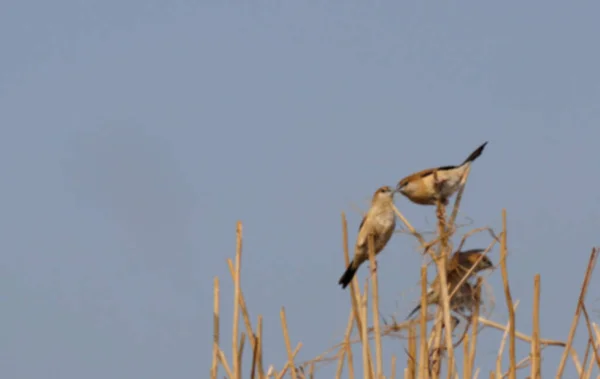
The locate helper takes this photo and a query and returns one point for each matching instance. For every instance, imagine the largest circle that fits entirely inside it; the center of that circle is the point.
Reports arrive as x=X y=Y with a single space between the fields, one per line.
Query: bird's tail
x=349 y=273
x=431 y=298
x=413 y=311
x=474 y=155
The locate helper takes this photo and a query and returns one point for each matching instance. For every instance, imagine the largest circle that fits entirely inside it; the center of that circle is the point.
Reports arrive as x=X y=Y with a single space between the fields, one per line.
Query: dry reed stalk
x=236 y=303
x=367 y=367
x=424 y=351
x=375 y=294
x=340 y=366
x=393 y=369
x=442 y=263
x=521 y=364
x=355 y=292
x=354 y=283
x=346 y=350
x=590 y=332
x=434 y=344
x=576 y=362
x=288 y=345
x=287 y=364
x=535 y=335
x=475 y=327
x=409 y=226
x=519 y=335
x=412 y=352
x=586 y=279
x=597 y=332
x=259 y=347
x=508 y=296
x=586 y=355
x=214 y=371
x=471 y=232
x=224 y=363
x=595 y=349
x=349 y=355
x=507 y=330
x=241 y=350
x=588 y=372
x=466 y=347
x=254 y=362
x=244 y=310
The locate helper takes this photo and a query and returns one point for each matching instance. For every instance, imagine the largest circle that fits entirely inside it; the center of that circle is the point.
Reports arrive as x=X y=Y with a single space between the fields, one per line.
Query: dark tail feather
x=413 y=311
x=348 y=274
x=474 y=155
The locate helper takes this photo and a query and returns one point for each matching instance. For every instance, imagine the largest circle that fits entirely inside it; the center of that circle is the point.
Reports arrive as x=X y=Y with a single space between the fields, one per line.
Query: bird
x=380 y=221
x=460 y=263
x=426 y=186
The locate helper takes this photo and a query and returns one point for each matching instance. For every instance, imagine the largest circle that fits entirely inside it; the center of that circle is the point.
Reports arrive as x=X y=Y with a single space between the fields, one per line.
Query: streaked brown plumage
x=380 y=221
x=422 y=188
x=459 y=265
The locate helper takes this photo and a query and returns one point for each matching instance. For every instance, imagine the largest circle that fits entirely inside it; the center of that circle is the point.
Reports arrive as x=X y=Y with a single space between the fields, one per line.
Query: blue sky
x=135 y=134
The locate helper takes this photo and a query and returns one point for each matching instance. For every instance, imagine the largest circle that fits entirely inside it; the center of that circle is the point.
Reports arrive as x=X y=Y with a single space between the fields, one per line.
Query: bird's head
x=401 y=186
x=383 y=193
x=473 y=256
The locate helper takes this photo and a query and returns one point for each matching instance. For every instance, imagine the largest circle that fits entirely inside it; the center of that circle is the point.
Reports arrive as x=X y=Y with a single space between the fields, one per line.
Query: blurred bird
x=459 y=265
x=422 y=187
x=380 y=221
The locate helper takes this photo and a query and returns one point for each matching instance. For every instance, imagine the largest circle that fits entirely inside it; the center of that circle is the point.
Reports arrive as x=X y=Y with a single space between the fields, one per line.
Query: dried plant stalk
x=412 y=352
x=509 y=302
x=214 y=371
x=590 y=333
x=236 y=303
x=354 y=291
x=442 y=264
x=375 y=294
x=474 y=327
x=288 y=345
x=367 y=368
x=432 y=355
x=346 y=351
x=423 y=356
x=586 y=280
x=535 y=335
x=259 y=346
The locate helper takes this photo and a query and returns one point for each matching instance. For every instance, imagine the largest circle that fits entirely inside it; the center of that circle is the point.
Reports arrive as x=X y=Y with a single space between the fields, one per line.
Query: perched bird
x=380 y=221
x=422 y=187
x=459 y=265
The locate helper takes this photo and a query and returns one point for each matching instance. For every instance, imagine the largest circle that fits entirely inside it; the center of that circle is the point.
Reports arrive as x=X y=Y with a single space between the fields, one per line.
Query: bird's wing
x=424 y=173
x=362 y=223
x=363 y=232
x=454 y=262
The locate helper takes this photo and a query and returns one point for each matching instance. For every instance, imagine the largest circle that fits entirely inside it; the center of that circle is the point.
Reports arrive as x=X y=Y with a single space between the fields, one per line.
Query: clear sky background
x=136 y=133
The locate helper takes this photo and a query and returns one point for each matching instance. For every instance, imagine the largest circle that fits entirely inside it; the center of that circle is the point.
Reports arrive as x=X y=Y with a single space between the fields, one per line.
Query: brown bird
x=380 y=221
x=459 y=265
x=422 y=188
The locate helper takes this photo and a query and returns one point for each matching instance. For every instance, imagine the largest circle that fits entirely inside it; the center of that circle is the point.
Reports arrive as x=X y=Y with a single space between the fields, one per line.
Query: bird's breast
x=385 y=220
